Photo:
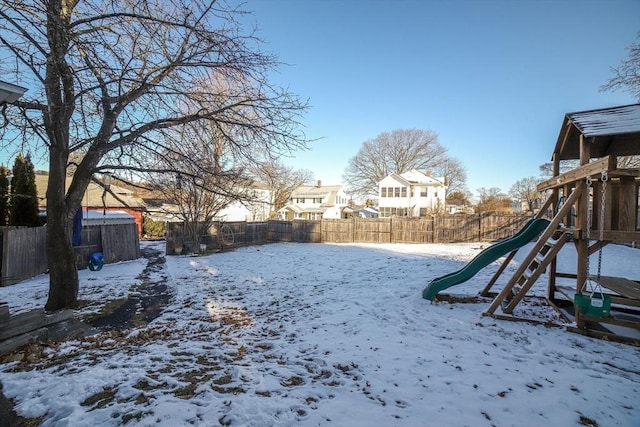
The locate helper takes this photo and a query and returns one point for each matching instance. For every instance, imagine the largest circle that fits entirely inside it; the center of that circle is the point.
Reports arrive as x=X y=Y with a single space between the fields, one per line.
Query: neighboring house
x=257 y=209
x=360 y=212
x=315 y=202
x=459 y=209
x=116 y=199
x=412 y=194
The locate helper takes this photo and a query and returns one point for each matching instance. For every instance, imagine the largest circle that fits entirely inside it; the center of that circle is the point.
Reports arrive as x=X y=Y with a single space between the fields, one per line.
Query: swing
x=95 y=261
x=594 y=303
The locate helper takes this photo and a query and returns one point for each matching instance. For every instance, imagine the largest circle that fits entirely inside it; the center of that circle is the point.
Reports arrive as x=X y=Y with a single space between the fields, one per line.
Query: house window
x=423 y=211
x=383 y=192
x=424 y=192
x=435 y=193
x=389 y=212
x=396 y=192
x=404 y=191
x=300 y=200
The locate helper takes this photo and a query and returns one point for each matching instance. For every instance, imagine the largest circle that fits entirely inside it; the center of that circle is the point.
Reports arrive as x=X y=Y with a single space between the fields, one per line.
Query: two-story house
x=412 y=194
x=315 y=202
x=257 y=208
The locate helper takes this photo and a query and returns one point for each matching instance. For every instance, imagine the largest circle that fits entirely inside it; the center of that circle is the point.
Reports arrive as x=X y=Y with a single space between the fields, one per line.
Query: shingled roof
x=610 y=131
x=117 y=197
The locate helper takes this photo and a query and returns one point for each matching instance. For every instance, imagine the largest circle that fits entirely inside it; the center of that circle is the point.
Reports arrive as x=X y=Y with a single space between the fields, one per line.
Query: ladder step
x=551 y=242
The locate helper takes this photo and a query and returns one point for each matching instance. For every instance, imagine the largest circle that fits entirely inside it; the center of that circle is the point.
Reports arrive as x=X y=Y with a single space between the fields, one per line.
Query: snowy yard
x=321 y=335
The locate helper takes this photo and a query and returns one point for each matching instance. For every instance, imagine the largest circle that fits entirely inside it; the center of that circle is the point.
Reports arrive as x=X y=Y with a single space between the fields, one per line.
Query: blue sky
x=493 y=78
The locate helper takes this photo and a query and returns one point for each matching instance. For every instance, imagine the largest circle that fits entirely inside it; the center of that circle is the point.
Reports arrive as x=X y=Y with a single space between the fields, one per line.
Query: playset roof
x=613 y=131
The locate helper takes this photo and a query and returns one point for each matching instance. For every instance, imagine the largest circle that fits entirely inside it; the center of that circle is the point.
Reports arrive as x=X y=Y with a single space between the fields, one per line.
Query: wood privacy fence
x=436 y=229
x=23 y=250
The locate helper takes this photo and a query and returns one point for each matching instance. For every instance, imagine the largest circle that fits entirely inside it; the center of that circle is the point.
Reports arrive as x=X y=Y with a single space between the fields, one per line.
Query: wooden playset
x=591 y=206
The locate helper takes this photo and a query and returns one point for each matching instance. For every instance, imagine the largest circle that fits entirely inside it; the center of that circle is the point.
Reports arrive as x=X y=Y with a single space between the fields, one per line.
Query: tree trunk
x=63 y=271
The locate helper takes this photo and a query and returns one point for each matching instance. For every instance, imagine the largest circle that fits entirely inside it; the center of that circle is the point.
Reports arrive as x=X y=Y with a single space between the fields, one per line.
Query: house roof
x=416 y=177
x=609 y=131
x=315 y=191
x=116 y=197
x=10 y=92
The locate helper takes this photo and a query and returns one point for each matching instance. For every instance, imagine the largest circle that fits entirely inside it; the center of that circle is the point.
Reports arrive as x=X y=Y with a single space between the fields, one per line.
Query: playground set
x=590 y=206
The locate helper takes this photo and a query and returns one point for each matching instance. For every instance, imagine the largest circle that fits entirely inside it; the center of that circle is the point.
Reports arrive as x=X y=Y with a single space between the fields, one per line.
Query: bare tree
x=459 y=198
x=281 y=180
x=626 y=76
x=208 y=180
x=109 y=77
x=455 y=174
x=525 y=190
x=397 y=151
x=492 y=200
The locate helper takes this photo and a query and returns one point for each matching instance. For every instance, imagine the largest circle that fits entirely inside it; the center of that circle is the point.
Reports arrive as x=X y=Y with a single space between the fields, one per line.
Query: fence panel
x=337 y=230
x=372 y=230
x=457 y=228
x=412 y=230
x=501 y=226
x=279 y=231
x=24 y=253
x=306 y=231
x=120 y=243
x=256 y=233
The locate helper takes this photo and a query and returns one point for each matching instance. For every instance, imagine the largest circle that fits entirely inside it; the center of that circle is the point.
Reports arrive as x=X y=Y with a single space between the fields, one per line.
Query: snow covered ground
x=322 y=335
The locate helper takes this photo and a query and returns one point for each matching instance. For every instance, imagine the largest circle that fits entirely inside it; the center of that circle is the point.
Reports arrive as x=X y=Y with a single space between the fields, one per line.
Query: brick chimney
x=319 y=183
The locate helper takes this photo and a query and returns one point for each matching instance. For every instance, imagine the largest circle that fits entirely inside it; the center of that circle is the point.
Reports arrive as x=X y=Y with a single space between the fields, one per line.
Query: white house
x=412 y=194
x=315 y=202
x=256 y=209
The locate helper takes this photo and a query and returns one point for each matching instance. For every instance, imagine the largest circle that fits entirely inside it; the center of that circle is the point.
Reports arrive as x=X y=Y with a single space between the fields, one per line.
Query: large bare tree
x=109 y=77
x=525 y=190
x=492 y=200
x=626 y=76
x=281 y=180
x=398 y=151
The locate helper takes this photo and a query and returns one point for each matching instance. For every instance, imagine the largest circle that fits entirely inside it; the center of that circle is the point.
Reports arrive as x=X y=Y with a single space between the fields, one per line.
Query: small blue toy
x=96 y=261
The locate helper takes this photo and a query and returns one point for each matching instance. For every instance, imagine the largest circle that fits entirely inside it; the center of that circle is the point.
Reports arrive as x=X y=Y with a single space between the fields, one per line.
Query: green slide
x=525 y=235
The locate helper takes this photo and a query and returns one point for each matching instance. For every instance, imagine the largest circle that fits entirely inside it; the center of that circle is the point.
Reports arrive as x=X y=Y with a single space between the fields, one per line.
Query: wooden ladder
x=529 y=272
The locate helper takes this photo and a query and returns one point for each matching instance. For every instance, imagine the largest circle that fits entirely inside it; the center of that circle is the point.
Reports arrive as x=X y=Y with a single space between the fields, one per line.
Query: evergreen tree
x=24 y=195
x=4 y=196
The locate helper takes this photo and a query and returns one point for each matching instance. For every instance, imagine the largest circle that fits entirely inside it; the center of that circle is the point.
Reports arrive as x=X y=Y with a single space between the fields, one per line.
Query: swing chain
x=588 y=233
x=605 y=178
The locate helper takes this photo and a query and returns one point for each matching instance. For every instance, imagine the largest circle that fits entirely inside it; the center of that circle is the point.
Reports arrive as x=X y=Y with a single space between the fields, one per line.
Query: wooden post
x=627 y=204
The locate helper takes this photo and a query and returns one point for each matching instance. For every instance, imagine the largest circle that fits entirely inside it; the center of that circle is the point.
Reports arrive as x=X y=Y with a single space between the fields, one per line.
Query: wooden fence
x=436 y=229
x=24 y=254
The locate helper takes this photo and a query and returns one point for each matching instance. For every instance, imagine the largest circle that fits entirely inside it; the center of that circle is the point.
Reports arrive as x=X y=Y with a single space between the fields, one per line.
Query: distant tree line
x=18 y=194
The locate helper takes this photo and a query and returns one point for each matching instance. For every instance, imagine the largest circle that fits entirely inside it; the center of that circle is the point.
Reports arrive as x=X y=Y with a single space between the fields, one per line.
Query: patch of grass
x=186 y=392
x=100 y=399
x=228 y=390
x=144 y=385
x=292 y=381
x=586 y=421
x=137 y=416
x=225 y=379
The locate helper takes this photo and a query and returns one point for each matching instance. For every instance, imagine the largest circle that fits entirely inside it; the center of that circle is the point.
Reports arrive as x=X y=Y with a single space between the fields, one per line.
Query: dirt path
x=145 y=301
